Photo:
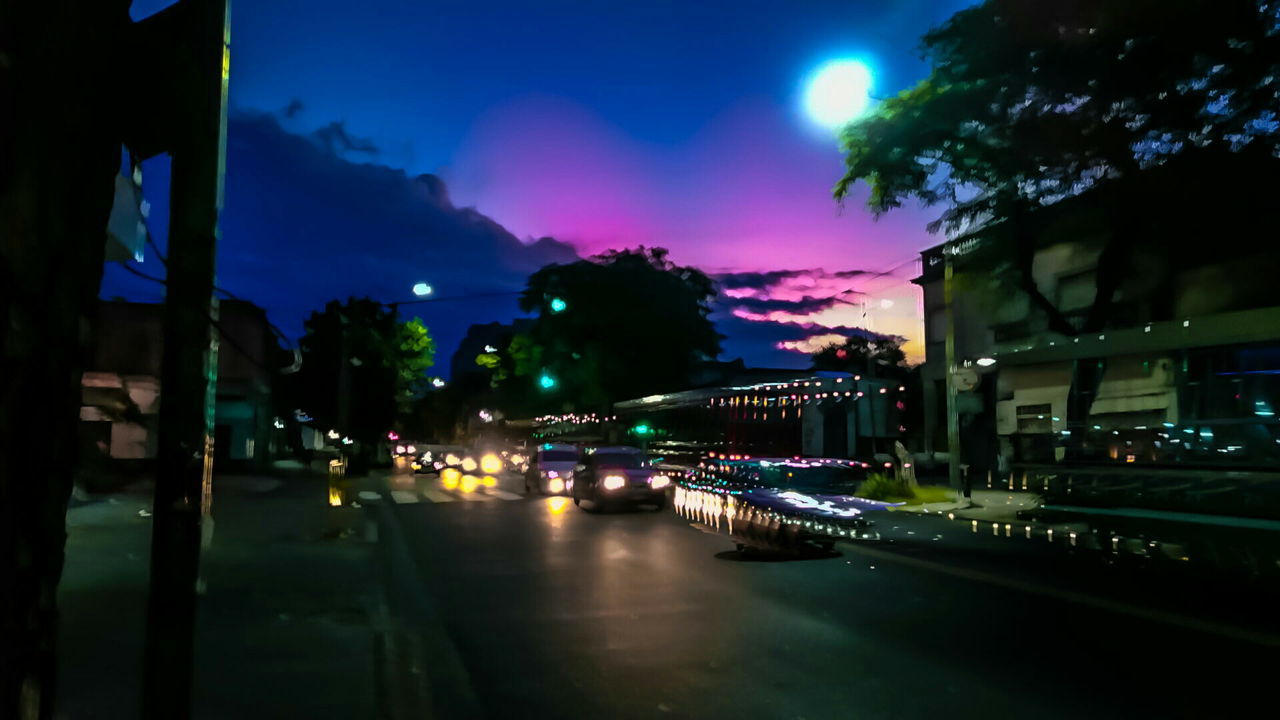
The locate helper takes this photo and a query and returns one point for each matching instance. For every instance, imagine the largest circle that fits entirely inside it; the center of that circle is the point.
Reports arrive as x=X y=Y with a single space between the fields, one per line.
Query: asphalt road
x=535 y=608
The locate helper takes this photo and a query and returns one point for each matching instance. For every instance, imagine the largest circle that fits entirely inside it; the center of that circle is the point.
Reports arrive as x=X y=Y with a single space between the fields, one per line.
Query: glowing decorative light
x=422 y=289
x=437 y=382
x=838 y=93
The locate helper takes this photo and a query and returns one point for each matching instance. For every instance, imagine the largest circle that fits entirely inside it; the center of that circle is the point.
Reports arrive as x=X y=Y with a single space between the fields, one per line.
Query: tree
x=361 y=367
x=1125 y=108
x=882 y=356
x=620 y=325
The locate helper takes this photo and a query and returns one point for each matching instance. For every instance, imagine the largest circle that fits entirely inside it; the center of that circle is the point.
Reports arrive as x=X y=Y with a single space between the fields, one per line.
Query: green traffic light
x=642 y=429
x=558 y=305
x=546 y=382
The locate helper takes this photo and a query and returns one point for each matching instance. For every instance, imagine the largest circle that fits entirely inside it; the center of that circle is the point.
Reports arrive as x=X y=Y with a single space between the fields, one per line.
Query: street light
x=838 y=93
x=422 y=289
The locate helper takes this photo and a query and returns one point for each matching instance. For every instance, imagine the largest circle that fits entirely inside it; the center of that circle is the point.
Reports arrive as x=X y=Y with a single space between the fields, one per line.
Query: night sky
x=379 y=144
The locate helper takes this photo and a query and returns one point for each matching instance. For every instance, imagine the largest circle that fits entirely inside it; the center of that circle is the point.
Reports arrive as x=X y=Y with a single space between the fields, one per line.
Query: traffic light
x=642 y=429
x=546 y=381
x=558 y=305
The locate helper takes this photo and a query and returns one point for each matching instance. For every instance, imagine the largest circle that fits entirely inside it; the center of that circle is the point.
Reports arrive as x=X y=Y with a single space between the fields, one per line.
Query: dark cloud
x=335 y=138
x=772 y=278
x=302 y=225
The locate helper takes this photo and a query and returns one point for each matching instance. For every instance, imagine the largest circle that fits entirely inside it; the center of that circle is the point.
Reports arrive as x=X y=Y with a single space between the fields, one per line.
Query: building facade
x=1184 y=372
x=121 y=392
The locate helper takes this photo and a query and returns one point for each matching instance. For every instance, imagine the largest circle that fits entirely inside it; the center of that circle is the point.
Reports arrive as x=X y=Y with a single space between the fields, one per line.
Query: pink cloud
x=750 y=192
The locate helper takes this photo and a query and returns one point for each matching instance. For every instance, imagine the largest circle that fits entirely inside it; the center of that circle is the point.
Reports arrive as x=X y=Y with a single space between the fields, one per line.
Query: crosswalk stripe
x=368 y=495
x=403 y=497
x=437 y=496
x=504 y=495
x=476 y=497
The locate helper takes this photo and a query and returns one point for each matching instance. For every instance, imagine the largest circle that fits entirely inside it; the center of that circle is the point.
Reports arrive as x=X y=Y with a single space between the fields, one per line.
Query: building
x=121 y=391
x=1181 y=368
x=822 y=414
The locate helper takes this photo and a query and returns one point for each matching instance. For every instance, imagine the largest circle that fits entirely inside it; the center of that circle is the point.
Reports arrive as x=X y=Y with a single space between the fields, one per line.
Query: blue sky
x=601 y=124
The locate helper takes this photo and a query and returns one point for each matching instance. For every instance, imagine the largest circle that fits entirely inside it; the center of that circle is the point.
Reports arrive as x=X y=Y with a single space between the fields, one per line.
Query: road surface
x=531 y=607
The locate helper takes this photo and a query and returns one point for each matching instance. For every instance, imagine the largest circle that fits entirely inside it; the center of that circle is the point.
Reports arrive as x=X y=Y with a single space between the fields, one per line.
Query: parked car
x=550 y=470
x=618 y=475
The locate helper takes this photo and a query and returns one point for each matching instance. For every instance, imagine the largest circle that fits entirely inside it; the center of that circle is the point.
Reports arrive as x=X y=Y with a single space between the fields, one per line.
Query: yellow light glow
x=557 y=505
x=469 y=483
x=469 y=464
x=555 y=485
x=335 y=497
x=449 y=478
x=451 y=459
x=491 y=464
x=489 y=481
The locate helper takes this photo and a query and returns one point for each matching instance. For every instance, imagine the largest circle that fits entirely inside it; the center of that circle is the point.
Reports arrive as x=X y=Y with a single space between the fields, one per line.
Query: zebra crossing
x=439 y=495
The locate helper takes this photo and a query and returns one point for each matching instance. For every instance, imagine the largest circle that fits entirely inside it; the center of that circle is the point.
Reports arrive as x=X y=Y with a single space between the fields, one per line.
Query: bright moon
x=838 y=93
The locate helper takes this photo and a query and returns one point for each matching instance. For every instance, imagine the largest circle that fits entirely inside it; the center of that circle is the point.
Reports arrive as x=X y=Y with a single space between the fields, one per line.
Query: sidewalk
x=286 y=626
x=984 y=506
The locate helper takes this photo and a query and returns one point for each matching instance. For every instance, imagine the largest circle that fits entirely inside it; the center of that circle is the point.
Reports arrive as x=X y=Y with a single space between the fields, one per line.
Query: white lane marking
x=404 y=497
x=1116 y=606
x=368 y=495
x=475 y=497
x=503 y=494
x=437 y=496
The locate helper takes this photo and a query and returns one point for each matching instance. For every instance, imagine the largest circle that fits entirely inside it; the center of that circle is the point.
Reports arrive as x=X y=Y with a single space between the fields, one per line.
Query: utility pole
x=181 y=518
x=953 y=411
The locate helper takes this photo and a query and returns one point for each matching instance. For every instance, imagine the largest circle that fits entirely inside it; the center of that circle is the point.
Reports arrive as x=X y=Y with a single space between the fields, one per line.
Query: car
x=618 y=475
x=550 y=470
x=434 y=458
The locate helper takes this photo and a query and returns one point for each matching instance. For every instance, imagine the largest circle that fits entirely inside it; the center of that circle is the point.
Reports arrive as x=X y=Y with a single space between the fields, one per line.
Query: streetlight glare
x=838 y=93
x=422 y=289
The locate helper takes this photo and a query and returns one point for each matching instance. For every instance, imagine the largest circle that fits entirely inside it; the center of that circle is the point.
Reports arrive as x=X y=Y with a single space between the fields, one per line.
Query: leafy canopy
x=1030 y=102
x=386 y=362
x=633 y=323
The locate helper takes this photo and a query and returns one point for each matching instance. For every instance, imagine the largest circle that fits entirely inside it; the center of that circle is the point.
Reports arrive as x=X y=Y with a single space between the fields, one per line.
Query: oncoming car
x=550 y=469
x=619 y=475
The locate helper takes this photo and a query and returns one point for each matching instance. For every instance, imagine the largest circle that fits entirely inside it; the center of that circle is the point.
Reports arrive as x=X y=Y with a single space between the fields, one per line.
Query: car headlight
x=659 y=481
x=469 y=464
x=555 y=485
x=613 y=482
x=517 y=459
x=491 y=464
x=451 y=459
